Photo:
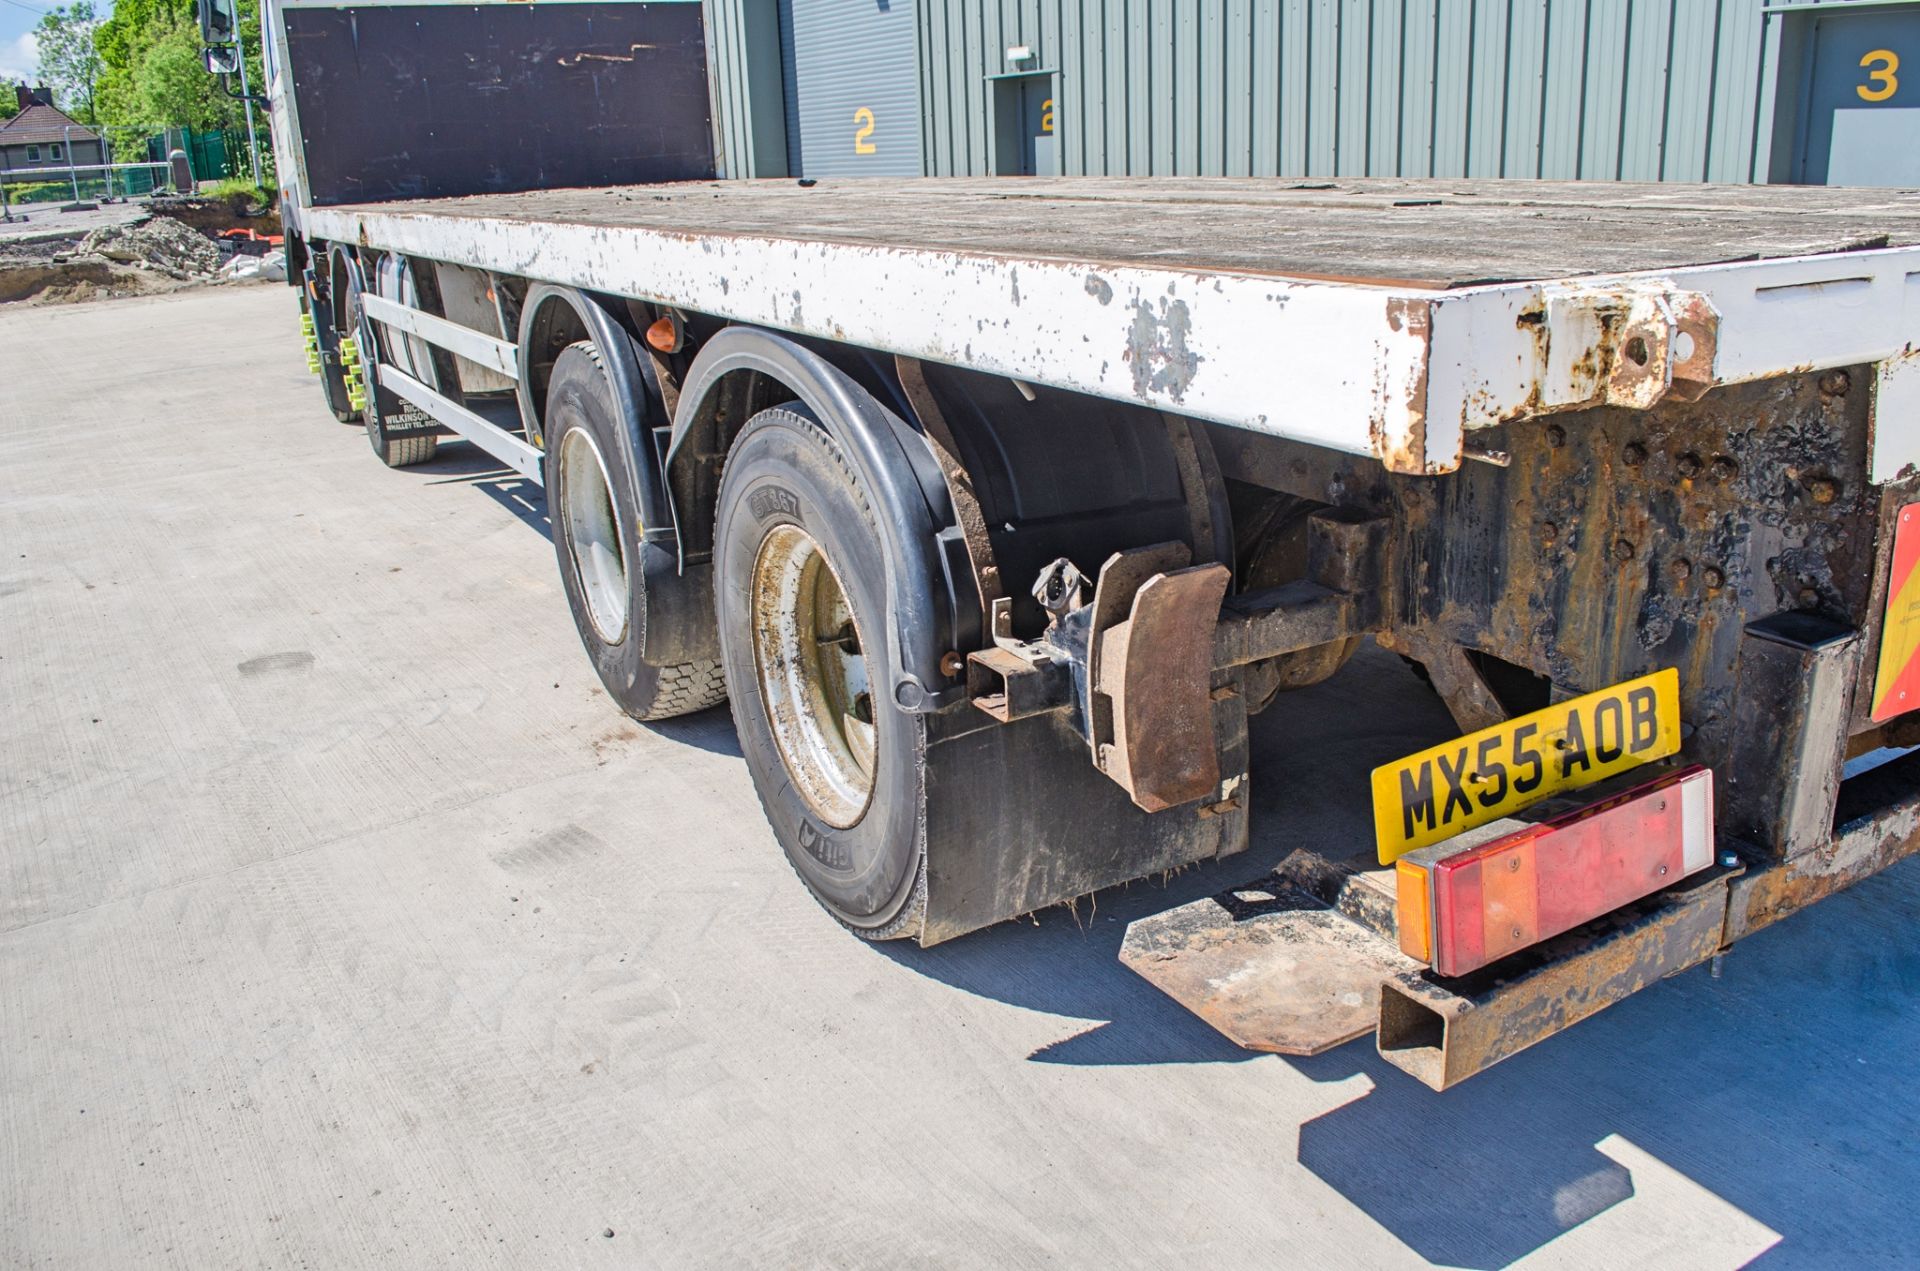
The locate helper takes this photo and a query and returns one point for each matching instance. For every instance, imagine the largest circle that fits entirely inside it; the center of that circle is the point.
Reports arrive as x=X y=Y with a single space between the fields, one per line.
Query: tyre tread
x=686 y=688
x=909 y=922
x=404 y=452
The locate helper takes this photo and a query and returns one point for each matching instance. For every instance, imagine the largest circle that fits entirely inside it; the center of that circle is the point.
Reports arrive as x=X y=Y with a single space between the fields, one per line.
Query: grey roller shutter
x=852 y=87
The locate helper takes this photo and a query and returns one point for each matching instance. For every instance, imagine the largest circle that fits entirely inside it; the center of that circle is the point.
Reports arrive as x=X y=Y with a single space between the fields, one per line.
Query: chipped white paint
x=1775 y=317
x=1896 y=416
x=1331 y=363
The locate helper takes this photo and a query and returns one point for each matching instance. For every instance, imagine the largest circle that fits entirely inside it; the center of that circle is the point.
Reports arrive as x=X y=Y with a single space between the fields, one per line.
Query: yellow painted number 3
x=1882 y=75
x=861 y=145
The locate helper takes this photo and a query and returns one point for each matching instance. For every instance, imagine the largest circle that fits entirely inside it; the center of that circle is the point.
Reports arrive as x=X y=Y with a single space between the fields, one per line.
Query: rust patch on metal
x=1156 y=670
x=1407 y=452
x=1866 y=843
x=1272 y=968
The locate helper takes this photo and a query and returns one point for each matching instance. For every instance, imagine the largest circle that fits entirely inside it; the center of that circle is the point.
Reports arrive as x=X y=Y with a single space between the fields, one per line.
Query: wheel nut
x=1836 y=383
x=1713 y=578
x=1689 y=466
x=1623 y=550
x=1680 y=570
x=1823 y=489
x=1634 y=455
x=1724 y=469
x=1556 y=436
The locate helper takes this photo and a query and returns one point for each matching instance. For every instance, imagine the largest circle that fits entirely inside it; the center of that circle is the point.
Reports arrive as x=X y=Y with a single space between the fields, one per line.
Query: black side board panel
x=436 y=100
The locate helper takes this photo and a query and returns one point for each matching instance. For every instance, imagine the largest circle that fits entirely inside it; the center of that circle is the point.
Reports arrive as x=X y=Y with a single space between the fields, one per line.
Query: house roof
x=40 y=123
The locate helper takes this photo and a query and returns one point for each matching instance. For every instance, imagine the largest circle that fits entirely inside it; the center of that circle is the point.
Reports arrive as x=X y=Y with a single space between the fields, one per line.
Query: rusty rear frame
x=1735 y=533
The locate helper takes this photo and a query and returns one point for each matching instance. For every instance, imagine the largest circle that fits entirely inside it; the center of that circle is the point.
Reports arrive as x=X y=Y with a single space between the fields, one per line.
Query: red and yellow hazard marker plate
x=1896 y=684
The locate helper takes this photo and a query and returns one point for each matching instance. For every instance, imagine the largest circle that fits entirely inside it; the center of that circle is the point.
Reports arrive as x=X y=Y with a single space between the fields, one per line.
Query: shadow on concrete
x=1065 y=961
x=1787 y=1087
x=710 y=730
x=467 y=464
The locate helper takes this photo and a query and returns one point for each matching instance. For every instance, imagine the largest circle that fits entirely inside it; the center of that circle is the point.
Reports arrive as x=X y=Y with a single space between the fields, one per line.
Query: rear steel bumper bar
x=1277 y=965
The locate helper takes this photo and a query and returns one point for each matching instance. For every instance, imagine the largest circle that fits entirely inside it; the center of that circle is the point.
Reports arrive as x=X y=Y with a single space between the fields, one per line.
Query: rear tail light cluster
x=1463 y=907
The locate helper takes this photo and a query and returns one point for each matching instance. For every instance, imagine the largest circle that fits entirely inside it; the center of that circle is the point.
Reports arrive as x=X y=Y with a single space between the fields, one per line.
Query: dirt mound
x=118 y=260
x=161 y=243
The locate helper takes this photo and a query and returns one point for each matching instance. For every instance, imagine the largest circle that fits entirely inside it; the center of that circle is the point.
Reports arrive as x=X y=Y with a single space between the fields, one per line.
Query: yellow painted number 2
x=1886 y=84
x=861 y=145
x=1046 y=115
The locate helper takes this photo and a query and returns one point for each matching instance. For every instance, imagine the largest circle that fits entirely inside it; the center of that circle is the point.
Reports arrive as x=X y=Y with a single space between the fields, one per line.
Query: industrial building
x=1631 y=90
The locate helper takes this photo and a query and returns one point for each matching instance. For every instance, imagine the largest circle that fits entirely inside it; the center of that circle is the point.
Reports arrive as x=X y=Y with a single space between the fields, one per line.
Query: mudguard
x=680 y=622
x=881 y=446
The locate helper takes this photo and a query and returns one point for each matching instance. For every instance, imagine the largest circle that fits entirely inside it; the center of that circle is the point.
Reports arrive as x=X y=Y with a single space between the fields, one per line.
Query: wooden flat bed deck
x=1434 y=234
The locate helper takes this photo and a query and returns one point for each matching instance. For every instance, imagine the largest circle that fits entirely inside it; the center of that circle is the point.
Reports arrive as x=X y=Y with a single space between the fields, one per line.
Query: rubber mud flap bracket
x=1155 y=671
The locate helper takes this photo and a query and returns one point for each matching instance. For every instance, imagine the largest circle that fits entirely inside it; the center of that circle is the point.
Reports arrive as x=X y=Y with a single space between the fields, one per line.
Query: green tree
x=152 y=76
x=69 y=62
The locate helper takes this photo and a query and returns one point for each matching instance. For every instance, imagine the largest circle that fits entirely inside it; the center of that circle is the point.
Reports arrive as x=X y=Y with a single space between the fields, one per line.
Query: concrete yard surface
x=344 y=923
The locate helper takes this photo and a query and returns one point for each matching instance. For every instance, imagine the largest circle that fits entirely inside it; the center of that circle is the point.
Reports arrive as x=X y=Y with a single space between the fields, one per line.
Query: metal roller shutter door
x=852 y=87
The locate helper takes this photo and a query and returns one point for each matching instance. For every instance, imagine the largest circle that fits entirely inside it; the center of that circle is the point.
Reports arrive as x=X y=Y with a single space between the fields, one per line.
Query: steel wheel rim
x=813 y=676
x=593 y=534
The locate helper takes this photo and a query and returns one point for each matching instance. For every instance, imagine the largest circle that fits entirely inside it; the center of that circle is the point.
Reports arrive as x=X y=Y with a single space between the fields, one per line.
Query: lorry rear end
x=1747 y=545
x=995 y=520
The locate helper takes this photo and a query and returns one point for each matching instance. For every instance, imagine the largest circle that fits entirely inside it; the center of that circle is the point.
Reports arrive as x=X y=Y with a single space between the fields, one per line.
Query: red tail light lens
x=1463 y=907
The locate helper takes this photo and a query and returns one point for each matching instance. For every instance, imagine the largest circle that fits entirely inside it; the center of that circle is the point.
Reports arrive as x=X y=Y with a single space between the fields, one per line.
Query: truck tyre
x=799 y=589
x=326 y=344
x=596 y=537
x=396 y=448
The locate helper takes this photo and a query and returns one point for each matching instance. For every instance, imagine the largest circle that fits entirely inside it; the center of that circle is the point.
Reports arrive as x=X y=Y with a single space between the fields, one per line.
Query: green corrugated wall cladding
x=1638 y=90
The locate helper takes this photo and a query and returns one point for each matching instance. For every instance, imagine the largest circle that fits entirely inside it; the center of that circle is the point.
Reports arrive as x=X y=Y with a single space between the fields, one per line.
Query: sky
x=18 y=58
x=17 y=55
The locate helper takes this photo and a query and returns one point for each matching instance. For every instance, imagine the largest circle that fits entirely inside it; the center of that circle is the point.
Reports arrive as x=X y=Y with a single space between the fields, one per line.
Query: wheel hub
x=593 y=534
x=813 y=676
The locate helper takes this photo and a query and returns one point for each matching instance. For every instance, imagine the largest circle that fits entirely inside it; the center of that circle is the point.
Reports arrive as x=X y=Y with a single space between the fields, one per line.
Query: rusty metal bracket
x=966 y=503
x=1015 y=681
x=1150 y=710
x=1798 y=670
x=1121 y=576
x=1136 y=665
x=1444 y=1031
x=1343 y=595
x=1468 y=697
x=1627 y=345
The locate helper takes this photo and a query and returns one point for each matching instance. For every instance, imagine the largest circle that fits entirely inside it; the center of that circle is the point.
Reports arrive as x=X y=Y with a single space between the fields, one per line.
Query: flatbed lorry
x=994 y=508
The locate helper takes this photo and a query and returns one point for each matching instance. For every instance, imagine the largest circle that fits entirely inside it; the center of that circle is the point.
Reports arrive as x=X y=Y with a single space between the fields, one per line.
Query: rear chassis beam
x=1335 y=931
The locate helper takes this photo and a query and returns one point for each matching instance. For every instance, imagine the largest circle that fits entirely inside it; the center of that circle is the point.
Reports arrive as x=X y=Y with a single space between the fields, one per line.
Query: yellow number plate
x=1499 y=770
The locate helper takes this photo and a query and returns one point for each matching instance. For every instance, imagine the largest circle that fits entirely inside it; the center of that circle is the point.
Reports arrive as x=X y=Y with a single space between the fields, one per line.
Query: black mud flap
x=1018 y=819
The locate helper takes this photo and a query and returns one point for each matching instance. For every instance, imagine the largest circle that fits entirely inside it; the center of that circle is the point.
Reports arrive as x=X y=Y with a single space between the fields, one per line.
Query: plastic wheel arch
x=882 y=448
x=681 y=626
